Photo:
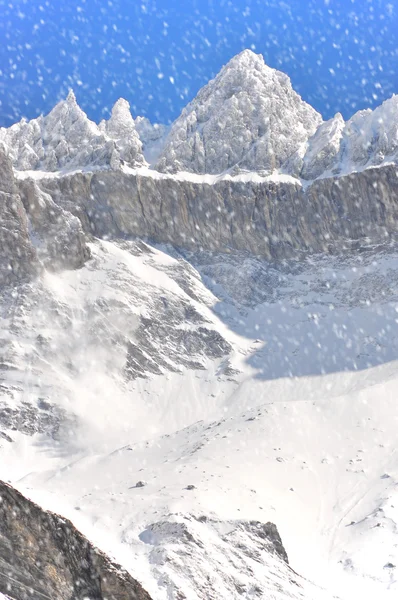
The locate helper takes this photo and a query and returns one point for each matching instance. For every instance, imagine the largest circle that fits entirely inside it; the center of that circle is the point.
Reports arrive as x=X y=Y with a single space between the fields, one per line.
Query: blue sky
x=342 y=55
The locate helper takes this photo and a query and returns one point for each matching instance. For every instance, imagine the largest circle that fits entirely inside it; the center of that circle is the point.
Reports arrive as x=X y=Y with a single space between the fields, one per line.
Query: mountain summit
x=248 y=116
x=67 y=139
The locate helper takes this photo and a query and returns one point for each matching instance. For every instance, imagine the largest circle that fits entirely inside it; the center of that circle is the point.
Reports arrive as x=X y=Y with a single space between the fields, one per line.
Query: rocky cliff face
x=34 y=231
x=43 y=555
x=18 y=256
x=271 y=219
x=57 y=235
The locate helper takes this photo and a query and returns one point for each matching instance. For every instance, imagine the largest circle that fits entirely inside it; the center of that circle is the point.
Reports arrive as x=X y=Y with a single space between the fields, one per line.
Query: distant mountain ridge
x=247 y=119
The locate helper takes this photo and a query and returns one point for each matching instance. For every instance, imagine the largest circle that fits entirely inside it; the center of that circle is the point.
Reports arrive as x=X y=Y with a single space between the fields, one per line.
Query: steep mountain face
x=18 y=255
x=248 y=117
x=44 y=556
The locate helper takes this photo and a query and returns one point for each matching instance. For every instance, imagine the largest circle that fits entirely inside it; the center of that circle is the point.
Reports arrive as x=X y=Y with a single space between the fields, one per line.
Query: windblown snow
x=183 y=406
x=194 y=395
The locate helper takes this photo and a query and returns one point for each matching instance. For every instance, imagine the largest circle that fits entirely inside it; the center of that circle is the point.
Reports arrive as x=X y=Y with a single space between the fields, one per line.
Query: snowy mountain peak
x=371 y=136
x=121 y=122
x=71 y=98
x=66 y=138
x=248 y=117
x=121 y=128
x=245 y=58
x=368 y=139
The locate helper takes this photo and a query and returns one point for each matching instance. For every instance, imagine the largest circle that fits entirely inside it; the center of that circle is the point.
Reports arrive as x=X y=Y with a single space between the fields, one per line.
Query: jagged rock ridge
x=247 y=119
x=66 y=138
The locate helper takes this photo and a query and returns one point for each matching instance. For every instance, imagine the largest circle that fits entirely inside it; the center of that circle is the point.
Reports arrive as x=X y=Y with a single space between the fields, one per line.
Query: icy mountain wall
x=44 y=556
x=270 y=219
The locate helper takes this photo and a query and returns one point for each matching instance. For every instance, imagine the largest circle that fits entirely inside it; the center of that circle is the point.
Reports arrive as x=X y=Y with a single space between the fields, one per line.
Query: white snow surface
x=296 y=424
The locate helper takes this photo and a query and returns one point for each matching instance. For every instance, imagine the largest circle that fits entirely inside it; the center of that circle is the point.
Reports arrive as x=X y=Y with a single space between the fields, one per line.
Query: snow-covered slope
x=248 y=117
x=237 y=392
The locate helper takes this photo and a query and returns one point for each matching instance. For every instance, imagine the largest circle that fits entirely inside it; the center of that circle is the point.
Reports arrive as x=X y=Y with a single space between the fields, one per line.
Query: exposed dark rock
x=44 y=556
x=270 y=534
x=140 y=484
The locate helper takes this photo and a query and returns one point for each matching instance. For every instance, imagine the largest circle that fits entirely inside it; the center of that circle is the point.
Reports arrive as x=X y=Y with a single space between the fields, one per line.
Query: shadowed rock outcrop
x=44 y=556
